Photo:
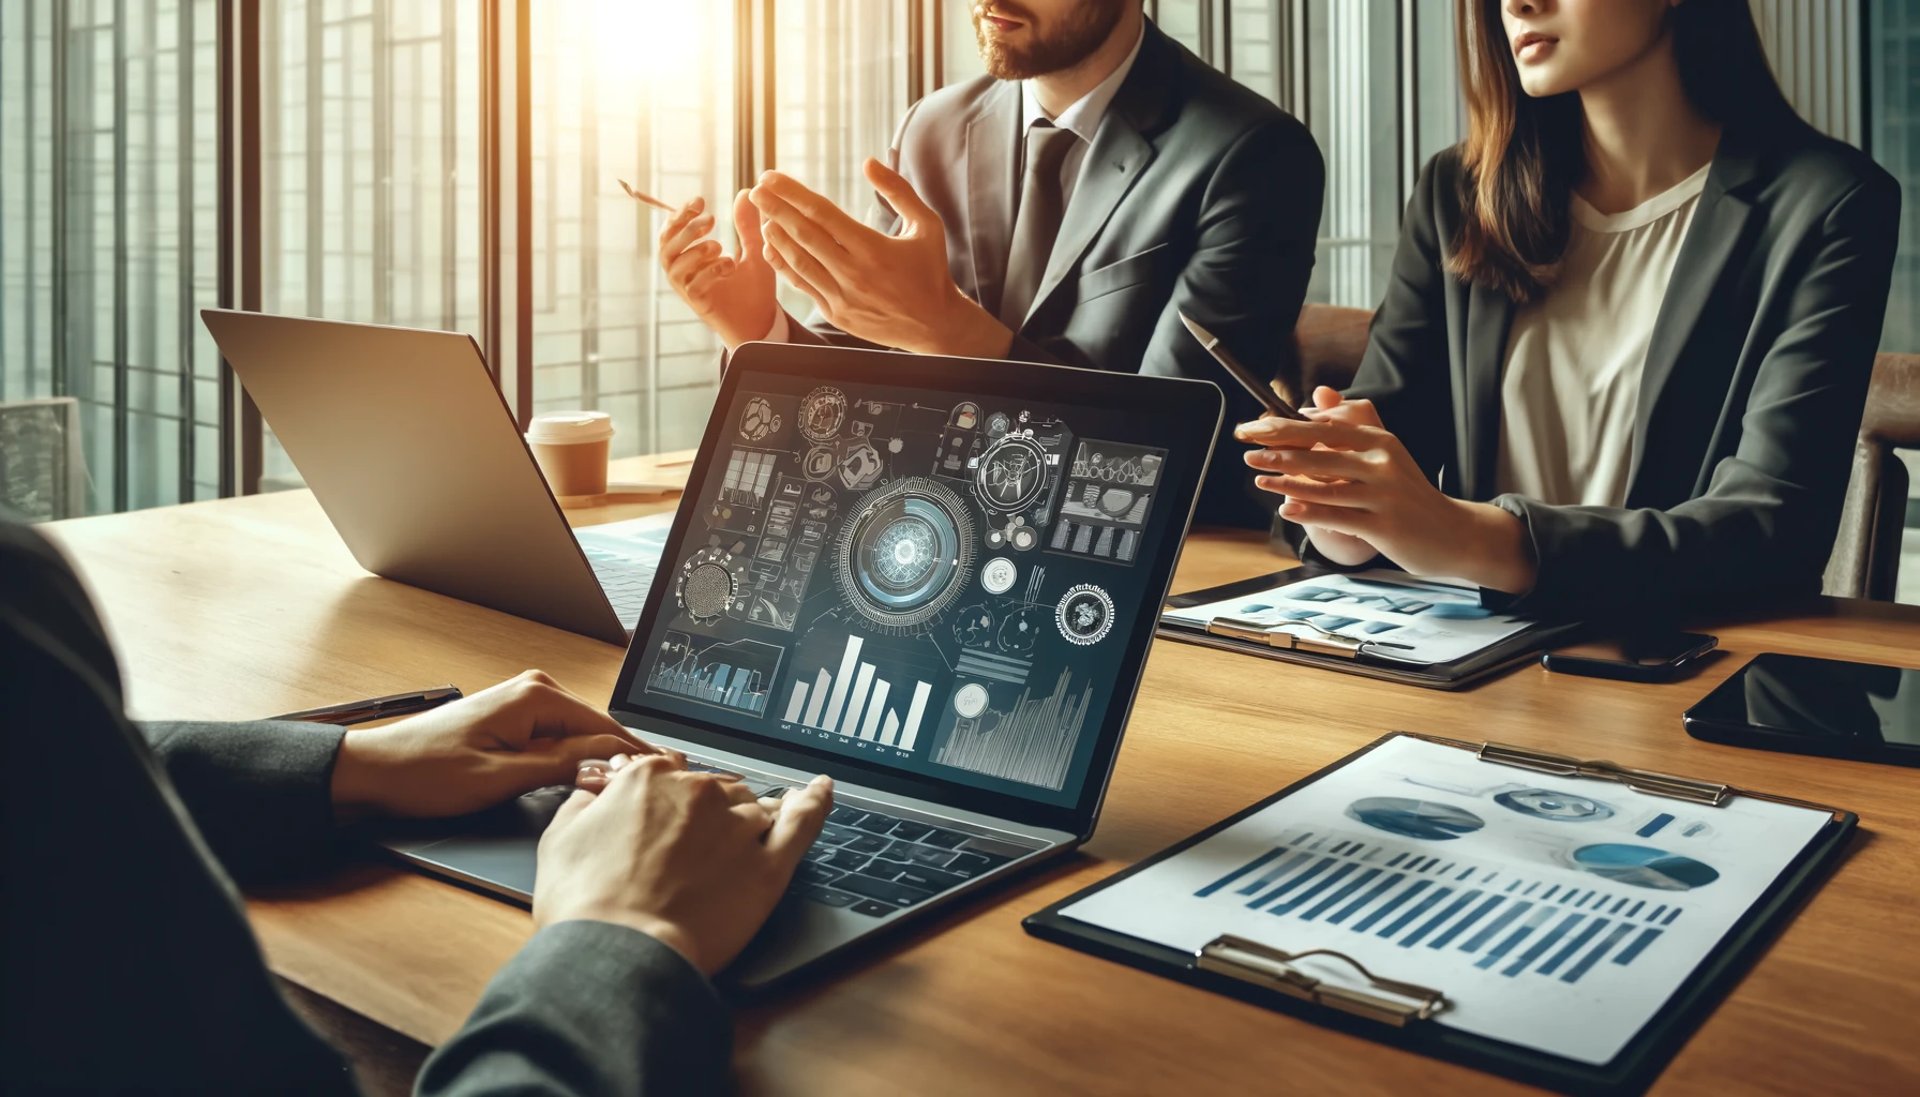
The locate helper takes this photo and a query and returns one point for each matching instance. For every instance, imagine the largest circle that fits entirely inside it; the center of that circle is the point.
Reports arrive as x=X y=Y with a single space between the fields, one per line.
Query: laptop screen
x=940 y=583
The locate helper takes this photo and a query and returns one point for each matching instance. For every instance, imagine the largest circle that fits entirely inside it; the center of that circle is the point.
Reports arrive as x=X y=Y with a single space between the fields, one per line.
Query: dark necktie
x=1042 y=202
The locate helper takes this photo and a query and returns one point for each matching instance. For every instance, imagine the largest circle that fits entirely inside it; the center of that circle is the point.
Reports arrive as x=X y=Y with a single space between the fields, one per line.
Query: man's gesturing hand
x=890 y=290
x=691 y=859
x=732 y=295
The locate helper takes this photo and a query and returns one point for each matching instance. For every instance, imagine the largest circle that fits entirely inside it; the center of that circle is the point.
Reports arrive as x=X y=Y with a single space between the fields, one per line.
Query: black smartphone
x=1659 y=656
x=1795 y=703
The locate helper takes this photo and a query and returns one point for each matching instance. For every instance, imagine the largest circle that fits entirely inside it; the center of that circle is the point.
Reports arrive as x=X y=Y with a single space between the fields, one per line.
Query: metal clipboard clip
x=1322 y=642
x=1386 y=1000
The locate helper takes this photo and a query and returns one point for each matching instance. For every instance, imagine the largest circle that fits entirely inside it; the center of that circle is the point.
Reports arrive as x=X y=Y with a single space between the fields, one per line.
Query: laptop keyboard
x=873 y=863
x=626 y=577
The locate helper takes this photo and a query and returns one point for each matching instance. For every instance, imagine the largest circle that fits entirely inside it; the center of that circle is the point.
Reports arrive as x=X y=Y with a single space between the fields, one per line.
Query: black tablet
x=1815 y=706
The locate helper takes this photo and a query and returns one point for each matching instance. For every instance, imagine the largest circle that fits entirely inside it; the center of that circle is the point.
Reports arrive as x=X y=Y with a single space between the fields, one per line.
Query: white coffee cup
x=571 y=447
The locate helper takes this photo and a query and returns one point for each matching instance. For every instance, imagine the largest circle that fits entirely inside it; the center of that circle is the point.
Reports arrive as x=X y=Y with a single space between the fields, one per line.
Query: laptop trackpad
x=496 y=848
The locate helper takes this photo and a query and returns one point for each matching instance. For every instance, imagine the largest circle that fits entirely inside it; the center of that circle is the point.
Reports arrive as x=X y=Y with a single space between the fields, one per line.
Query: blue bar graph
x=1342 y=895
x=1496 y=919
x=1541 y=946
x=1378 y=890
x=1438 y=920
x=1599 y=952
x=1579 y=942
x=1473 y=943
x=1466 y=923
x=1653 y=826
x=1416 y=911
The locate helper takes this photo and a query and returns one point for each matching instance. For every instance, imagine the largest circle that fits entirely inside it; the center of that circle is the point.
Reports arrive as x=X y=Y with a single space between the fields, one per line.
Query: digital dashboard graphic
x=938 y=581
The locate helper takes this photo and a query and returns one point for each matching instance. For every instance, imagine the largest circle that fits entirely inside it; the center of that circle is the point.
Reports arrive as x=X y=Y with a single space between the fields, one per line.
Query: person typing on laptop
x=128 y=959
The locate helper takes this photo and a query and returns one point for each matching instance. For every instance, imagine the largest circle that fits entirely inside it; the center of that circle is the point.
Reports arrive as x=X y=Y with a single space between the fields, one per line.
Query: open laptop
x=408 y=447
x=935 y=579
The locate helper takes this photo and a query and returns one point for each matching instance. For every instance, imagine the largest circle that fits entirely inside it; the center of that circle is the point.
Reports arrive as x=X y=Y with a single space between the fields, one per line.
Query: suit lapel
x=1716 y=237
x=1489 y=321
x=993 y=137
x=1121 y=151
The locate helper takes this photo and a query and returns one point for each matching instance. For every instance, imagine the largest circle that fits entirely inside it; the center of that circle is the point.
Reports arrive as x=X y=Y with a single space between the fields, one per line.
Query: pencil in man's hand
x=642 y=196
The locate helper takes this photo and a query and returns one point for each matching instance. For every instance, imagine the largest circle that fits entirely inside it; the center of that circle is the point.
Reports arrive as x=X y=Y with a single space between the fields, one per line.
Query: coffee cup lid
x=563 y=427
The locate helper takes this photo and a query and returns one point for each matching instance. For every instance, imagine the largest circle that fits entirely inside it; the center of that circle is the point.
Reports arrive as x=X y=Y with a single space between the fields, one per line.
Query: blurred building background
x=453 y=164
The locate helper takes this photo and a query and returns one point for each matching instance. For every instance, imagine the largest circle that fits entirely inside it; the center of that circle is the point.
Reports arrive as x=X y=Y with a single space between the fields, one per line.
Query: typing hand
x=481 y=750
x=890 y=290
x=732 y=294
x=691 y=859
x=1344 y=473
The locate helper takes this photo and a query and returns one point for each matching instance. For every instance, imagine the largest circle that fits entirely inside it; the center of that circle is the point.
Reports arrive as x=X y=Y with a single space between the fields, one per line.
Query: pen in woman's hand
x=375 y=708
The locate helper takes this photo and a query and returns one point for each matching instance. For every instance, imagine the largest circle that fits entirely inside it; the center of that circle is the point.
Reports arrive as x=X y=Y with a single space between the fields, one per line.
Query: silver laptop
x=935 y=579
x=416 y=460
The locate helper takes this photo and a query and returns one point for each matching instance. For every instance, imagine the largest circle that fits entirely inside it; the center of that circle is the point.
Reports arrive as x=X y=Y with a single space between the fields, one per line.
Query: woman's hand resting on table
x=1359 y=493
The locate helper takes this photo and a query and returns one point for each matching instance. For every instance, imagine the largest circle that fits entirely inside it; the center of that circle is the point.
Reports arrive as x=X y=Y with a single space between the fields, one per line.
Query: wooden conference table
x=243 y=607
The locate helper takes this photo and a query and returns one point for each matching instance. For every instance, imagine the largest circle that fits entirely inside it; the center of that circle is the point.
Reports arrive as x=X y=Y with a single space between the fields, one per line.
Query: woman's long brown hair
x=1522 y=155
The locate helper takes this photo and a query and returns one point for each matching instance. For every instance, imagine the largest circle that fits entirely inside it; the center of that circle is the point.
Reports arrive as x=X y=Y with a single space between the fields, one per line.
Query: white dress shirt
x=1570 y=396
x=1083 y=118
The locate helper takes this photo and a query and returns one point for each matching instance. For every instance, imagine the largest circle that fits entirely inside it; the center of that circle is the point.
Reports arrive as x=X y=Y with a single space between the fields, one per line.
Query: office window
x=370 y=171
x=959 y=48
x=1893 y=137
x=641 y=92
x=1374 y=80
x=840 y=86
x=108 y=205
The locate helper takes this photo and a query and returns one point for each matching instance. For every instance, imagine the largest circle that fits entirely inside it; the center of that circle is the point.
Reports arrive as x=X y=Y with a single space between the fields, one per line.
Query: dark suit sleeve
x=881 y=218
x=588 y=1007
x=1768 y=518
x=259 y=792
x=129 y=964
x=1405 y=369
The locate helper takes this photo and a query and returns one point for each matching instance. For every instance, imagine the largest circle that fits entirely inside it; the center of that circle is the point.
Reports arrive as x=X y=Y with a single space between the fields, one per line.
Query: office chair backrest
x=1329 y=341
x=42 y=474
x=1866 y=557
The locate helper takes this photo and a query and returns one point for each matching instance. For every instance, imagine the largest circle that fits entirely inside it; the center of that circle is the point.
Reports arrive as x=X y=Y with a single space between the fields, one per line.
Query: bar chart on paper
x=732 y=675
x=855 y=701
x=1491 y=918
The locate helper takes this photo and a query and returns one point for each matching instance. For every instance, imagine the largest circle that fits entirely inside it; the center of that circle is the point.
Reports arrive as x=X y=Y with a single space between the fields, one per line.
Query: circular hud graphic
x=709 y=581
x=904 y=552
x=1085 y=614
x=1019 y=630
x=1545 y=803
x=1644 y=866
x=1414 y=818
x=997 y=575
x=970 y=700
x=821 y=414
x=1012 y=473
x=758 y=420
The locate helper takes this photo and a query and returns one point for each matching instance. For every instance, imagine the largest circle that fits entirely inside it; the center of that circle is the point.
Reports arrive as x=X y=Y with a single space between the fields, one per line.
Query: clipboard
x=1346 y=655
x=1378 y=1007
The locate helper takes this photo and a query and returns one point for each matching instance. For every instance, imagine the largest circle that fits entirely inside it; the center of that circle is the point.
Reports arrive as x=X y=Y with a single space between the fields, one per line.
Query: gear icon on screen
x=1085 y=614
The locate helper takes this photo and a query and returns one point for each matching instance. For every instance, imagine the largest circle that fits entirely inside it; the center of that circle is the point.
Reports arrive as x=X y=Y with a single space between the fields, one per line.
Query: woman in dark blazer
x=1626 y=342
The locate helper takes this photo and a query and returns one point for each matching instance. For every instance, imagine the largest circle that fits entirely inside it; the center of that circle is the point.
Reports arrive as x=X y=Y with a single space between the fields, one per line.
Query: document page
x=1394 y=615
x=1553 y=913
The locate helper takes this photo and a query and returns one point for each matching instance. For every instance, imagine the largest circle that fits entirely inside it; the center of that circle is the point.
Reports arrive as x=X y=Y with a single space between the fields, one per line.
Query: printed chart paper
x=1400 y=616
x=1556 y=914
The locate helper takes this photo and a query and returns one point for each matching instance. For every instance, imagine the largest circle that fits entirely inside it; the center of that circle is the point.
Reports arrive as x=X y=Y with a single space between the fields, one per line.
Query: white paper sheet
x=1407 y=618
x=1557 y=914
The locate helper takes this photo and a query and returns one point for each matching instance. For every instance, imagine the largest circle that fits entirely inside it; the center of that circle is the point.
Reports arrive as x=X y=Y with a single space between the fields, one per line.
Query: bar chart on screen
x=734 y=675
x=1492 y=918
x=857 y=702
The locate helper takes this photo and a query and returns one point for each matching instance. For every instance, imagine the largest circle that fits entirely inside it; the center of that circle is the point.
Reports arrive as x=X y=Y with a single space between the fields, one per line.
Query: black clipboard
x=1637 y=1065
x=1351 y=659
